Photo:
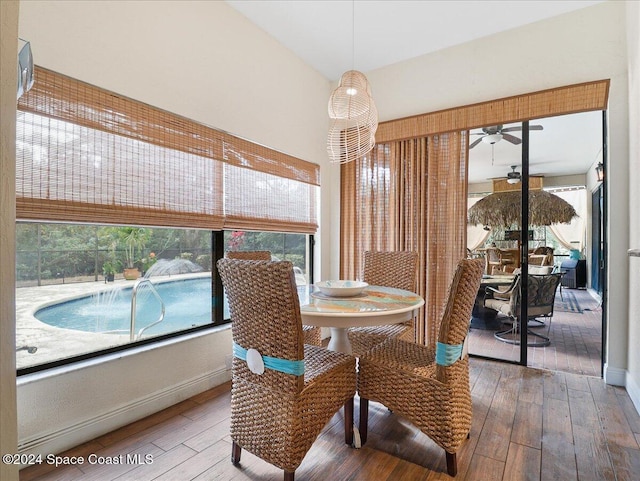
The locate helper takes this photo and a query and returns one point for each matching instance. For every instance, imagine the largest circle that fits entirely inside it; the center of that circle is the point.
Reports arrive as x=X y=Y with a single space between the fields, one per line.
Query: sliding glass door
x=547 y=167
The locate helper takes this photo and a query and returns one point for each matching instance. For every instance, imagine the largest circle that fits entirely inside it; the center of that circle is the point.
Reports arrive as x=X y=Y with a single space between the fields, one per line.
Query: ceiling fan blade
x=475 y=143
x=512 y=139
x=516 y=129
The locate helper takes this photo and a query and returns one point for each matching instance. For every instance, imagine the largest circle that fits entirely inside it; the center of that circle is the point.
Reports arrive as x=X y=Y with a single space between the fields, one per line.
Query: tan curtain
x=409 y=195
x=365 y=197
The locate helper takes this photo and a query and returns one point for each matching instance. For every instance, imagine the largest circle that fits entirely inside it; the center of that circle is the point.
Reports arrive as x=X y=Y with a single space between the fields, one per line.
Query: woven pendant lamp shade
x=354 y=118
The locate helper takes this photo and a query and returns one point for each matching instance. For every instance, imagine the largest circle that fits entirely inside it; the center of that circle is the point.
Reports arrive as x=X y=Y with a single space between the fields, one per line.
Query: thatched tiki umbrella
x=502 y=209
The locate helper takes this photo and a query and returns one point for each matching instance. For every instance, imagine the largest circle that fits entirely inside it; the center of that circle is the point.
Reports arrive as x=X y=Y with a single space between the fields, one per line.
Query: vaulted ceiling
x=337 y=35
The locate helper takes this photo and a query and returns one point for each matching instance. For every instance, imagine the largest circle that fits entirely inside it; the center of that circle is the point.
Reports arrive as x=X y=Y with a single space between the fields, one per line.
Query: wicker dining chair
x=390 y=269
x=427 y=386
x=312 y=335
x=279 y=408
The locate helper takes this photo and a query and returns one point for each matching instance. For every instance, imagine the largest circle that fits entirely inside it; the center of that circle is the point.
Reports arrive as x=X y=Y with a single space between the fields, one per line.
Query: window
x=283 y=247
x=73 y=300
x=295 y=248
x=104 y=183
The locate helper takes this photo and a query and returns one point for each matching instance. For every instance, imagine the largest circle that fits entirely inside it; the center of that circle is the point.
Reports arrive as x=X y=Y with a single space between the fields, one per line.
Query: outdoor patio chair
x=541 y=294
x=312 y=335
x=283 y=391
x=427 y=386
x=396 y=269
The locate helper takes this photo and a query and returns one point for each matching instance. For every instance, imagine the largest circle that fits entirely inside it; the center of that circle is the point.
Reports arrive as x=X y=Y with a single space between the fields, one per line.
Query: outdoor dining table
x=375 y=306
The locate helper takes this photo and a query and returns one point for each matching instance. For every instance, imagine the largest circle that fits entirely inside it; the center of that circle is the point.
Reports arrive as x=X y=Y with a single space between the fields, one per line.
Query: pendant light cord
x=353 y=34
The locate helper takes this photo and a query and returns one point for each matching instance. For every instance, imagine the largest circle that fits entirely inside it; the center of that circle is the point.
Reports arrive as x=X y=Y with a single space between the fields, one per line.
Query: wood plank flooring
x=528 y=424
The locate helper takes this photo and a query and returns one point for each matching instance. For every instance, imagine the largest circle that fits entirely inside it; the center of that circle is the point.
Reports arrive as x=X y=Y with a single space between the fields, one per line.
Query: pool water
x=187 y=304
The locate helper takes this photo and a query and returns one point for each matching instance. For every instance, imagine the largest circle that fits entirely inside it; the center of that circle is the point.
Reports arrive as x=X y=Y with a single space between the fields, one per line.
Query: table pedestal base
x=340 y=340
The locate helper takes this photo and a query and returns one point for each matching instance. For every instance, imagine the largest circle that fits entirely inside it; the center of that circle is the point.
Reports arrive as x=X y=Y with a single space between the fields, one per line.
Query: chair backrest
x=543 y=250
x=540 y=269
x=547 y=252
x=391 y=269
x=265 y=315
x=461 y=296
x=493 y=254
x=541 y=293
x=537 y=259
x=249 y=255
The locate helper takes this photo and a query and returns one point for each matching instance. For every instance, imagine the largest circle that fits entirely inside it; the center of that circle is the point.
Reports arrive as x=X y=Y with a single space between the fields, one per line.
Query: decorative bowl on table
x=341 y=288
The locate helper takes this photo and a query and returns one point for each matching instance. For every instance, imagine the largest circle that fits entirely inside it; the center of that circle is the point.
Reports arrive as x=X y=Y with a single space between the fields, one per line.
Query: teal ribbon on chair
x=447 y=354
x=281 y=365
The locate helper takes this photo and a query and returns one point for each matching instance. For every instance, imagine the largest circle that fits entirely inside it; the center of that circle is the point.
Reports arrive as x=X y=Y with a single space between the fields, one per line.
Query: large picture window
x=74 y=299
x=107 y=186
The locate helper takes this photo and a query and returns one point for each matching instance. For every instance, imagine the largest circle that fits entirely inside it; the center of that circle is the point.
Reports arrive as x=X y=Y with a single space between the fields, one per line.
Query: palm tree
x=135 y=239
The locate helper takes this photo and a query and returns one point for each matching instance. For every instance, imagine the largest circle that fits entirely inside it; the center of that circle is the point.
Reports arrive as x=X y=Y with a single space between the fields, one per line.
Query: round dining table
x=375 y=306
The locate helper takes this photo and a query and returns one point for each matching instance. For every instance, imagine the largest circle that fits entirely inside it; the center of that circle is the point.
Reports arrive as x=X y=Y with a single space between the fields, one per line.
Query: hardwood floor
x=528 y=424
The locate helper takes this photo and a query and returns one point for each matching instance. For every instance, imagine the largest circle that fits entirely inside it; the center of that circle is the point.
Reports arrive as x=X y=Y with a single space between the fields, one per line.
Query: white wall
x=8 y=49
x=581 y=46
x=633 y=42
x=202 y=60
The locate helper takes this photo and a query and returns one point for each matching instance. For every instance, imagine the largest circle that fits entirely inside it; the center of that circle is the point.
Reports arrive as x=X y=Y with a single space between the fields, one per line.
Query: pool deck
x=54 y=343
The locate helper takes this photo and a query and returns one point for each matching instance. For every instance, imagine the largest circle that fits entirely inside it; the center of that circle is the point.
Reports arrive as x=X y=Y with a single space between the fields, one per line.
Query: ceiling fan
x=514 y=177
x=493 y=134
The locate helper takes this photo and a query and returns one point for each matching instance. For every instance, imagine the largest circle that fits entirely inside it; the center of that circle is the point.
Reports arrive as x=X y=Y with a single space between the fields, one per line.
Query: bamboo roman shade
x=85 y=154
x=569 y=99
x=268 y=190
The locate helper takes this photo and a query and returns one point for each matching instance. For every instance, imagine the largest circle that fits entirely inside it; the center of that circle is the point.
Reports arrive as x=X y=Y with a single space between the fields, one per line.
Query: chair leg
x=235 y=453
x=452 y=464
x=364 y=419
x=348 y=422
x=512 y=336
x=288 y=476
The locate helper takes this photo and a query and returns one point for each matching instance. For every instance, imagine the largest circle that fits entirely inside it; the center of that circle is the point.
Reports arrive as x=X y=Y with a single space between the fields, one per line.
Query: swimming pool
x=187 y=304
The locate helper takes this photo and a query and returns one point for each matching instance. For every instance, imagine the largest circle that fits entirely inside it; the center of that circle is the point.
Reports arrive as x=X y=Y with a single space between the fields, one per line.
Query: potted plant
x=135 y=239
x=109 y=271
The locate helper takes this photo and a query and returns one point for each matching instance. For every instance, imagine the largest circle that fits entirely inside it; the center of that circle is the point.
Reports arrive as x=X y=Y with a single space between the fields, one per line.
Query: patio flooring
x=575 y=334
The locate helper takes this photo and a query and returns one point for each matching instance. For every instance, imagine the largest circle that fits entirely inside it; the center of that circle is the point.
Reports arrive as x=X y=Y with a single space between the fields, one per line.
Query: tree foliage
x=49 y=251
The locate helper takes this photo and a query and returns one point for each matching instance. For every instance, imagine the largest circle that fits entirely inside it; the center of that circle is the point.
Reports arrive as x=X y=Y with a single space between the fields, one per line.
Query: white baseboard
x=634 y=392
x=615 y=376
x=58 y=441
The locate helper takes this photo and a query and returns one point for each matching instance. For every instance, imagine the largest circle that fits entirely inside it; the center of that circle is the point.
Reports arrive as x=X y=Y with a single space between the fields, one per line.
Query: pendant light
x=352 y=113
